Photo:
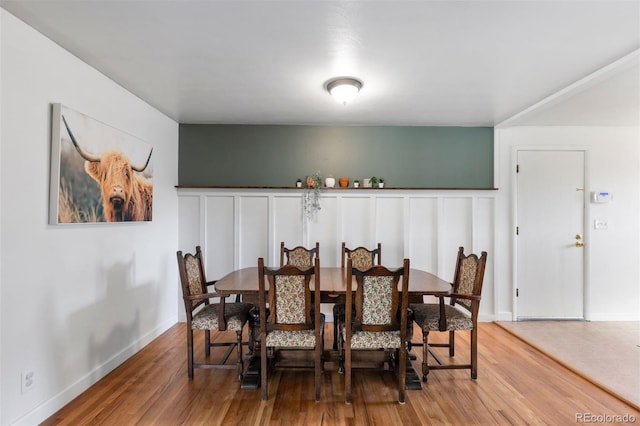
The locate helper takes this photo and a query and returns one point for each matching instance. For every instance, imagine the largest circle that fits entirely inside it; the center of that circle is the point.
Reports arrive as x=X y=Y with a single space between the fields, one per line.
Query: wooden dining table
x=333 y=287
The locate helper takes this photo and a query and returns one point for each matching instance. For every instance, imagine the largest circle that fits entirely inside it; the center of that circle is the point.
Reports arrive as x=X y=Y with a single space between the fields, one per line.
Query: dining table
x=333 y=287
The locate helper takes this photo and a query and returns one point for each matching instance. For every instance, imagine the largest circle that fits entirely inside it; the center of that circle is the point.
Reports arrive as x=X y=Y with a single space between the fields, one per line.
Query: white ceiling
x=461 y=63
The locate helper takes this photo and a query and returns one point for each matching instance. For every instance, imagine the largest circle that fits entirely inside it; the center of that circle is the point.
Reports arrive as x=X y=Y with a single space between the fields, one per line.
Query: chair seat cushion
x=427 y=316
x=235 y=315
x=294 y=338
x=373 y=339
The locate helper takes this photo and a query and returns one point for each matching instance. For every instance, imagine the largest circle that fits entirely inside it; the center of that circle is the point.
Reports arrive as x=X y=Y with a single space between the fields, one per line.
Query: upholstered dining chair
x=299 y=256
x=461 y=313
x=380 y=320
x=290 y=317
x=363 y=259
x=207 y=316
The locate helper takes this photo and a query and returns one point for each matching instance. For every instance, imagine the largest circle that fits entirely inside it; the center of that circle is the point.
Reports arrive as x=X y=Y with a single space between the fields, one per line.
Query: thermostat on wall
x=600 y=196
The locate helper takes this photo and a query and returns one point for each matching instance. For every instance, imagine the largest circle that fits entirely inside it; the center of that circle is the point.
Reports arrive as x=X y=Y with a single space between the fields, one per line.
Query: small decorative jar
x=330 y=182
x=344 y=182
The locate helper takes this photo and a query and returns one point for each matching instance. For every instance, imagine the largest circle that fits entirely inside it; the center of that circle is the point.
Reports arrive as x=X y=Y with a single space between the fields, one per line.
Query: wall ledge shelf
x=335 y=188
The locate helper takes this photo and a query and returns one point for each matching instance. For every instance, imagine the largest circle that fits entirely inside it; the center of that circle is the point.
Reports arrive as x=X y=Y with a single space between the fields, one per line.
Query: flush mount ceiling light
x=344 y=89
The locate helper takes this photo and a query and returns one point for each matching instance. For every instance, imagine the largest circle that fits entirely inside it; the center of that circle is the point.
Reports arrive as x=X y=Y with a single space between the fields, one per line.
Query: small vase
x=366 y=182
x=330 y=182
x=311 y=183
x=344 y=182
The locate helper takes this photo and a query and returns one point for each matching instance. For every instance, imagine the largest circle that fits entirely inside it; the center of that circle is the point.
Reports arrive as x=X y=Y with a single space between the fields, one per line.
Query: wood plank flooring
x=516 y=384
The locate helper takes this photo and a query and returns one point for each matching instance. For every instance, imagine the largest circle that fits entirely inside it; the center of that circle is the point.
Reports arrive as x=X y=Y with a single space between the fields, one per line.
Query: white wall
x=613 y=271
x=75 y=300
x=236 y=226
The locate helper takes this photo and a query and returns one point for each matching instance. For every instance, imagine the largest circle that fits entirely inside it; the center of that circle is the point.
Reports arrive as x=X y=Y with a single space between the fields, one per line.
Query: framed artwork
x=98 y=173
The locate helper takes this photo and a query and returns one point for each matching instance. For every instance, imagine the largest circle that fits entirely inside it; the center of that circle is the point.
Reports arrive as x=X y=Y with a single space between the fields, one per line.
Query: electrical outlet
x=28 y=380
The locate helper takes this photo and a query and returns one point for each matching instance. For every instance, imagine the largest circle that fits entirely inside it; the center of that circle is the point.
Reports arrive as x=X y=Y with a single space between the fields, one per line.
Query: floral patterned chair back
x=362 y=258
x=300 y=257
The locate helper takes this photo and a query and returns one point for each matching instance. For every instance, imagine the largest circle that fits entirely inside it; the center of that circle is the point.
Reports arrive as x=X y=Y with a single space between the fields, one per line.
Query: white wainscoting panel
x=189 y=216
x=236 y=226
x=220 y=239
x=358 y=217
x=422 y=233
x=252 y=230
x=390 y=222
x=324 y=229
x=287 y=225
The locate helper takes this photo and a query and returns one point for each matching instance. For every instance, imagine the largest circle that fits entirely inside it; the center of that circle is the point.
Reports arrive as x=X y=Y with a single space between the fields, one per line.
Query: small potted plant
x=380 y=183
x=374 y=181
x=356 y=183
x=299 y=183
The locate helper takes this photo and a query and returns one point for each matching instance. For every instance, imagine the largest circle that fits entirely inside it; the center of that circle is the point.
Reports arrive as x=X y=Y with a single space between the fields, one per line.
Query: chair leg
x=189 y=352
x=263 y=367
x=341 y=356
x=402 y=377
x=318 y=368
x=347 y=377
x=207 y=343
x=474 y=353
x=452 y=341
x=240 y=361
x=425 y=354
x=251 y=339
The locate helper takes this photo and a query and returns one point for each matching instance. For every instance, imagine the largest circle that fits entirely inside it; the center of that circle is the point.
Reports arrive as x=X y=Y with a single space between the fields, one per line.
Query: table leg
x=251 y=377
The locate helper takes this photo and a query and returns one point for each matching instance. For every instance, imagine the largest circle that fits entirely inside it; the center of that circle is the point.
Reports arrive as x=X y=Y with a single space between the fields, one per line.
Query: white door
x=550 y=234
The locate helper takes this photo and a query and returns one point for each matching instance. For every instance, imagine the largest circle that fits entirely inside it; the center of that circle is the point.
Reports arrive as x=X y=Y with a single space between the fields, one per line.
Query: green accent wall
x=277 y=155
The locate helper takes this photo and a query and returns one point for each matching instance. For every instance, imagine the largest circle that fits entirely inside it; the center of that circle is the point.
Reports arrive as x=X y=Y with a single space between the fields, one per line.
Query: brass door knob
x=578 y=237
x=579 y=244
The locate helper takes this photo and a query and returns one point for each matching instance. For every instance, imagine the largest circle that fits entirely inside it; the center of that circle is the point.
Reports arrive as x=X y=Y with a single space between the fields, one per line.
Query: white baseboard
x=48 y=408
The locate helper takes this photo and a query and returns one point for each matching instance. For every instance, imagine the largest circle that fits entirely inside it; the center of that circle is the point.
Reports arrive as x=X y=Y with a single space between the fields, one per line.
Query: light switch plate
x=600 y=224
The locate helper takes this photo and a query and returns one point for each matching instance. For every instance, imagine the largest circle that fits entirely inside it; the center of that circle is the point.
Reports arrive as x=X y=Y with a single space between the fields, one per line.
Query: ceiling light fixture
x=344 y=89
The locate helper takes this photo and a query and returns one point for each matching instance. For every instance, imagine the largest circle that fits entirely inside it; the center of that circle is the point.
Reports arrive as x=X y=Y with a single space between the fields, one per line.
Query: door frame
x=586 y=220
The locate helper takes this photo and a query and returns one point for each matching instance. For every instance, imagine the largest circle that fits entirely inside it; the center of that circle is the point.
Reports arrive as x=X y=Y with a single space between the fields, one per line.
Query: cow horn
x=141 y=169
x=83 y=154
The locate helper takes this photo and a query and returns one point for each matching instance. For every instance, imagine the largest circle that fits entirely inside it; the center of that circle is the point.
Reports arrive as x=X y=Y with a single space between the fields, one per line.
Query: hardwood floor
x=516 y=385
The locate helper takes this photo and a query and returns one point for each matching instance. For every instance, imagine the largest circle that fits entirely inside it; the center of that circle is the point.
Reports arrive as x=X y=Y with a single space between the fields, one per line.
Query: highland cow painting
x=98 y=173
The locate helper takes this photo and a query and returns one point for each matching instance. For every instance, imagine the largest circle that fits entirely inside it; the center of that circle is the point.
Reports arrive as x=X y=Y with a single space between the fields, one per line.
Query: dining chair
x=290 y=317
x=299 y=256
x=207 y=316
x=461 y=313
x=363 y=259
x=380 y=320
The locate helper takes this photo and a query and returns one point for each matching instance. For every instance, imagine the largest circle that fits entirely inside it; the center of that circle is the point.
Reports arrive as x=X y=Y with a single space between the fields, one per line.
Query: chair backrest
x=362 y=258
x=380 y=305
x=289 y=293
x=192 y=278
x=467 y=281
x=299 y=256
